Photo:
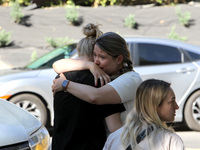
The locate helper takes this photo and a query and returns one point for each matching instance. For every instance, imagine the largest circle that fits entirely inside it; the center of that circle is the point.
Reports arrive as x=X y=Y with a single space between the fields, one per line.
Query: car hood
x=10 y=74
x=14 y=126
x=11 y=71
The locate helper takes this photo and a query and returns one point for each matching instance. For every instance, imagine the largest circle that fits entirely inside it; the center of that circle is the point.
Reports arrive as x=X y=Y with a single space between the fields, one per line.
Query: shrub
x=25 y=2
x=130 y=21
x=1 y=2
x=33 y=56
x=173 y=35
x=72 y=14
x=183 y=17
x=16 y=12
x=95 y=3
x=5 y=38
x=57 y=42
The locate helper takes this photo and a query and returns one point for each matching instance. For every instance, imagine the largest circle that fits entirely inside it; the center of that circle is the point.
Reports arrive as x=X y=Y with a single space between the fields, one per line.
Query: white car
x=30 y=87
x=21 y=130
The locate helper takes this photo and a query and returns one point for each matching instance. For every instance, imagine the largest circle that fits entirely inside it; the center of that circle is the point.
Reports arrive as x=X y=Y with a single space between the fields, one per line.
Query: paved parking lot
x=191 y=139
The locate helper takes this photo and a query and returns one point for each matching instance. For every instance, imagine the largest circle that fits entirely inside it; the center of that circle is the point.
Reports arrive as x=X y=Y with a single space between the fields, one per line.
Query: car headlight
x=40 y=140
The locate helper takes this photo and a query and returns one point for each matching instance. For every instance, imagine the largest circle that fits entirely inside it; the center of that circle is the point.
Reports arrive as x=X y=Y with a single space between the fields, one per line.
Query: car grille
x=18 y=146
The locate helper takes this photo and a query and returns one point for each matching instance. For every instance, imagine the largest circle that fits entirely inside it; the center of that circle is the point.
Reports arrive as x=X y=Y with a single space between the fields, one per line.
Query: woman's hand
x=57 y=84
x=98 y=73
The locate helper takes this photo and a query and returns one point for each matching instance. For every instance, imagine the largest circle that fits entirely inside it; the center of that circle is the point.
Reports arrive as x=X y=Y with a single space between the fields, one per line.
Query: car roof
x=163 y=41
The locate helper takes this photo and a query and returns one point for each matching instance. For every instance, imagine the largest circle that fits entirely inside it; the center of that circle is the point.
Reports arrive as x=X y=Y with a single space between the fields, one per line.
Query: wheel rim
x=196 y=110
x=30 y=107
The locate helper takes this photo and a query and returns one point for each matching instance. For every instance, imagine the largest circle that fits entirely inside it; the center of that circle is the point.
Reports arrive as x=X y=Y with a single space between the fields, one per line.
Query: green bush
x=130 y=21
x=34 y=56
x=183 y=17
x=25 y=2
x=57 y=42
x=105 y=2
x=72 y=14
x=173 y=35
x=4 y=38
x=21 y=2
x=96 y=3
x=16 y=12
x=1 y=2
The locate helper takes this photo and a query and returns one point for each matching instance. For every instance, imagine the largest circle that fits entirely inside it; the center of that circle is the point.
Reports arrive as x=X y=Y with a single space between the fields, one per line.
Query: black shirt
x=79 y=125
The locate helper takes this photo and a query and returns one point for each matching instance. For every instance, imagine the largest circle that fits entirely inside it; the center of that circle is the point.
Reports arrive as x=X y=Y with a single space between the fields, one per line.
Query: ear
x=120 y=59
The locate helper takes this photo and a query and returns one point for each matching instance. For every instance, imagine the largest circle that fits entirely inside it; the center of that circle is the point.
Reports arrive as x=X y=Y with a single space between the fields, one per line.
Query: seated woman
x=145 y=127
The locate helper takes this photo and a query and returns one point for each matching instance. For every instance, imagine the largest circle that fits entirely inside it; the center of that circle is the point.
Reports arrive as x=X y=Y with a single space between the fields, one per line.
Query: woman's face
x=167 y=109
x=106 y=62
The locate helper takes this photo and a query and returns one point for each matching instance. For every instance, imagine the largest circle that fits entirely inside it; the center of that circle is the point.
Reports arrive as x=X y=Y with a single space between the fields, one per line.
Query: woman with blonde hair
x=145 y=127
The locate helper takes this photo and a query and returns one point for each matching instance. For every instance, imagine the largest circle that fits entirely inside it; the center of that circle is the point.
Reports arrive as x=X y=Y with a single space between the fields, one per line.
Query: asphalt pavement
x=41 y=23
x=191 y=139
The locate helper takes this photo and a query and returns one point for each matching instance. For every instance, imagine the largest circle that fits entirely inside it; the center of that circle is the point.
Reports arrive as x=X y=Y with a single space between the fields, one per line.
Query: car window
x=48 y=59
x=130 y=47
x=49 y=63
x=153 y=54
x=192 y=55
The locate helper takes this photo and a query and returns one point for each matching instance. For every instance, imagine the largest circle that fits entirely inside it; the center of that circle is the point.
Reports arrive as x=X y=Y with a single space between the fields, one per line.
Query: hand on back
x=57 y=84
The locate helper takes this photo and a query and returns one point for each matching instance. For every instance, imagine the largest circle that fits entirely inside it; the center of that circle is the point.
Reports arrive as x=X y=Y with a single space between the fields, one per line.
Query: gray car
x=170 y=60
x=177 y=63
x=30 y=87
x=21 y=130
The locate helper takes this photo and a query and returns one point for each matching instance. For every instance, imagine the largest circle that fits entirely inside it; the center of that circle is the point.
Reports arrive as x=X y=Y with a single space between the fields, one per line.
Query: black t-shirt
x=79 y=125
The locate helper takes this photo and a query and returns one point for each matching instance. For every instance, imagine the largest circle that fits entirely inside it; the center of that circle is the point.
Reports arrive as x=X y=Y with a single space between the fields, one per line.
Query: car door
x=166 y=63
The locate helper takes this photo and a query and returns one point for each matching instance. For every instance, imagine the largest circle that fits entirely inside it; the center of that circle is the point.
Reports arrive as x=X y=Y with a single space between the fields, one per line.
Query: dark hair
x=114 y=45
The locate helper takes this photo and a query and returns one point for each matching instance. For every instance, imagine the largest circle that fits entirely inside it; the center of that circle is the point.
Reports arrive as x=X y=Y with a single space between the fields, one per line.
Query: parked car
x=21 y=130
x=170 y=60
x=30 y=87
x=177 y=63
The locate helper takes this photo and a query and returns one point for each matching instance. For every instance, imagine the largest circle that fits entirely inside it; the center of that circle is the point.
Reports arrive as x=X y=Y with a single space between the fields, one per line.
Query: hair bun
x=91 y=30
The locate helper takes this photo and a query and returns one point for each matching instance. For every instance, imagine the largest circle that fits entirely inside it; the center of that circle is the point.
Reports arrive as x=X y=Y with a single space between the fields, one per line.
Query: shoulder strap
x=129 y=148
x=141 y=136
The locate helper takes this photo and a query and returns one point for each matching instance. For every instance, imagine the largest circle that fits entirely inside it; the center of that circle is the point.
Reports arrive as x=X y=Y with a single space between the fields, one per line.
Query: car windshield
x=48 y=59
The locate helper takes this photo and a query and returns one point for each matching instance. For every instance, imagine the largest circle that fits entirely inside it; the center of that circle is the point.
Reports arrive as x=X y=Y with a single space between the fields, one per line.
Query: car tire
x=192 y=111
x=33 y=105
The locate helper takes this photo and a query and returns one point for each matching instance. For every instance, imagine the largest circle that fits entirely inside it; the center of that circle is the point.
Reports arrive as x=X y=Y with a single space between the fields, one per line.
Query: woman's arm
x=65 y=65
x=103 y=95
x=113 y=122
x=120 y=90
